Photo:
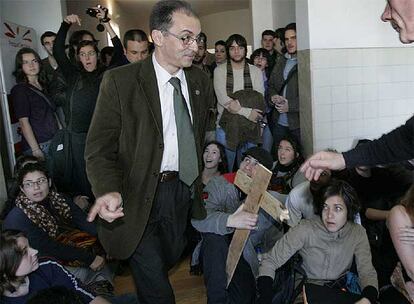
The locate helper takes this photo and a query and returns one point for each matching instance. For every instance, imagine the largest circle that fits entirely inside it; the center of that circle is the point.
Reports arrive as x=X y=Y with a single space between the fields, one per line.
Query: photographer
x=83 y=81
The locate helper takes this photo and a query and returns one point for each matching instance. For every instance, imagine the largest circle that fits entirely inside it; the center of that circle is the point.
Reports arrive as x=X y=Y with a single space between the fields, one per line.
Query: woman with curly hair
x=83 y=78
x=51 y=220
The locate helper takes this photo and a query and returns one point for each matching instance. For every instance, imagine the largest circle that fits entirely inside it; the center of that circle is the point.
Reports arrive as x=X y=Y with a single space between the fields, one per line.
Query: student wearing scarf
x=56 y=226
x=285 y=170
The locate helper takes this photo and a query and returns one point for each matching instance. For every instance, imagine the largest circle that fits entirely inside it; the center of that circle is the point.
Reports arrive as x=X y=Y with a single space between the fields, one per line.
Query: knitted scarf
x=230 y=81
x=282 y=168
x=281 y=184
x=39 y=214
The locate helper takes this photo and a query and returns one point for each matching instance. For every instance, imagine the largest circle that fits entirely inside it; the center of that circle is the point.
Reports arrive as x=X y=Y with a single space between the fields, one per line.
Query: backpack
x=285 y=279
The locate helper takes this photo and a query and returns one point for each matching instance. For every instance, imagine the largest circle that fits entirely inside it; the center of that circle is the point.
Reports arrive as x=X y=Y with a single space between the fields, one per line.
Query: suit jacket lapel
x=148 y=82
x=194 y=94
x=194 y=91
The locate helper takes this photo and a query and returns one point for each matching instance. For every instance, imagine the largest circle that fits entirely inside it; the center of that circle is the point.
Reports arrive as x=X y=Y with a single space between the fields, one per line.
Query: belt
x=167 y=176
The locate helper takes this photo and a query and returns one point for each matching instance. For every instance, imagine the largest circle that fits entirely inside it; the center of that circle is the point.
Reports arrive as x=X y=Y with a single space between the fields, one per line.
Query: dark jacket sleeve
x=79 y=219
x=101 y=153
x=395 y=146
x=56 y=275
x=276 y=78
x=65 y=66
x=276 y=82
x=118 y=57
x=41 y=241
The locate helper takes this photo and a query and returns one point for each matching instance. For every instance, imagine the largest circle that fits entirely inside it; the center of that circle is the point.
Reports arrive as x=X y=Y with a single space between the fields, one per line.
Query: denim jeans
x=232 y=155
x=43 y=146
x=267 y=139
x=242 y=289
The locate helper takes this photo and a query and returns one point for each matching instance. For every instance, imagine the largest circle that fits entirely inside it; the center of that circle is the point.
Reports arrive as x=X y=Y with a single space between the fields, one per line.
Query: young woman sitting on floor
x=328 y=245
x=56 y=226
x=22 y=275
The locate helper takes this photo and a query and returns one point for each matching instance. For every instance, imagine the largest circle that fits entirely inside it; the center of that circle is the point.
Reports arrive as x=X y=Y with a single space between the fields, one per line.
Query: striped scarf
x=230 y=81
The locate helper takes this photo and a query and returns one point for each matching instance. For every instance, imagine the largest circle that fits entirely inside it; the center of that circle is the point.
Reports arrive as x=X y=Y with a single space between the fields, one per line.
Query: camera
x=262 y=123
x=93 y=12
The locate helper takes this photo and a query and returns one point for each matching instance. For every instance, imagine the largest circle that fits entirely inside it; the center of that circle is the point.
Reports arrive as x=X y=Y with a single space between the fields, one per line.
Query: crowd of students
x=347 y=224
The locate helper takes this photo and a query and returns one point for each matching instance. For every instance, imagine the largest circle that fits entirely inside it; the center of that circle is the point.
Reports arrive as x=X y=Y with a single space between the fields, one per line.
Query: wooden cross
x=257 y=197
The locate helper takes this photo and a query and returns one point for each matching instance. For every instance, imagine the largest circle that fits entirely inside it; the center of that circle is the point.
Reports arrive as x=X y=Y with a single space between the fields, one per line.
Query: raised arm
x=59 y=53
x=397 y=145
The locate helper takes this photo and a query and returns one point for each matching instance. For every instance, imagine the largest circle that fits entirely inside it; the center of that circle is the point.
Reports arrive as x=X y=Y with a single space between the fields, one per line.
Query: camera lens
x=91 y=12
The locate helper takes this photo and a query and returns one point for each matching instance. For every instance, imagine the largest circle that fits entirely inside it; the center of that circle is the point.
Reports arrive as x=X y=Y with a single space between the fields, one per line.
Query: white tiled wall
x=355 y=93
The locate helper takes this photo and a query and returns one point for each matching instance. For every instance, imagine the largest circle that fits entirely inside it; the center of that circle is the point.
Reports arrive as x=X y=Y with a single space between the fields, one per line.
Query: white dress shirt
x=169 y=128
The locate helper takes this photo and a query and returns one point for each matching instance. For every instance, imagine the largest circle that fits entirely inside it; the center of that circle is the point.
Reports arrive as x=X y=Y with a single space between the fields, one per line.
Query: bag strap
x=292 y=72
x=40 y=93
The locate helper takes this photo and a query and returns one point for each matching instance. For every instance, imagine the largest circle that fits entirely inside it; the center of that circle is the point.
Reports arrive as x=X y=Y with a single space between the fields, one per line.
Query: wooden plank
x=268 y=203
x=274 y=207
x=257 y=189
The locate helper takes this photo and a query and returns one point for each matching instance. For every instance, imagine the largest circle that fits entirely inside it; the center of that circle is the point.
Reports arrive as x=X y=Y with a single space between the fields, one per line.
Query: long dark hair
x=222 y=166
x=18 y=65
x=240 y=41
x=10 y=257
x=408 y=202
x=296 y=148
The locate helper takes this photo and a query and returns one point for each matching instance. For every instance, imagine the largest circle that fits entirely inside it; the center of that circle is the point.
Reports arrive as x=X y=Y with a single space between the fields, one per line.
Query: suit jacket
x=124 y=147
x=276 y=81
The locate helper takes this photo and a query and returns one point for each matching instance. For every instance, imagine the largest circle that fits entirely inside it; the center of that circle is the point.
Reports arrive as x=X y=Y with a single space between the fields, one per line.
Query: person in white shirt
x=144 y=150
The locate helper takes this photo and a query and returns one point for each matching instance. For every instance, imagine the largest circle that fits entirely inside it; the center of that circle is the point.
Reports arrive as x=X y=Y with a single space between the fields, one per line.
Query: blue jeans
x=242 y=288
x=267 y=139
x=231 y=154
x=43 y=146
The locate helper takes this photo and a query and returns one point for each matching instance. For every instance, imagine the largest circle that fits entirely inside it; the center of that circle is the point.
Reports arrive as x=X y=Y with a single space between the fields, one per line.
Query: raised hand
x=71 y=19
x=314 y=165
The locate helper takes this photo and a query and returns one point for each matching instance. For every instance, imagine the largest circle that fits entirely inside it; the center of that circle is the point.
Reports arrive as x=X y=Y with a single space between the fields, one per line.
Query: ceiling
x=202 y=7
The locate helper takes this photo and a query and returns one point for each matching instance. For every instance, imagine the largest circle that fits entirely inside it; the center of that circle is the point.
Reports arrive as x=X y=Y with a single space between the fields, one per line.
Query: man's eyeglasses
x=31 y=185
x=186 y=39
x=88 y=54
x=251 y=161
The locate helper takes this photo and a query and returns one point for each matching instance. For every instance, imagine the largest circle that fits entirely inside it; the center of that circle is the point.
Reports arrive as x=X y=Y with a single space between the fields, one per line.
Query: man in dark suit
x=143 y=170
